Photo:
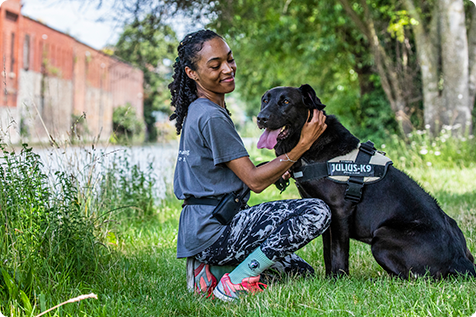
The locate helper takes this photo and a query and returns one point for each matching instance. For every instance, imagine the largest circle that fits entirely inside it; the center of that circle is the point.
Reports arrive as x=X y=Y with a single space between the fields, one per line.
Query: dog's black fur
x=408 y=232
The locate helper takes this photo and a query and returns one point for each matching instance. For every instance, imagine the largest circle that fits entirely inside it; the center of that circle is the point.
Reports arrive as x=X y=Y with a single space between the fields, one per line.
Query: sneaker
x=199 y=278
x=227 y=291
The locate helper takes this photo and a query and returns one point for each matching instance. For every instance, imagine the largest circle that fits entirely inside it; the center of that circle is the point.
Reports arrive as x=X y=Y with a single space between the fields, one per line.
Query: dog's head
x=284 y=111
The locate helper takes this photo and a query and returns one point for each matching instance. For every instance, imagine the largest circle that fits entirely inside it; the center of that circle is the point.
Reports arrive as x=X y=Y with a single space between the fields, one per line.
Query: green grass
x=145 y=279
x=149 y=281
x=137 y=273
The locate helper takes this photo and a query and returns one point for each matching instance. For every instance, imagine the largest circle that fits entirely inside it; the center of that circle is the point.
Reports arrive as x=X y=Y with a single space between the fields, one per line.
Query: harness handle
x=355 y=184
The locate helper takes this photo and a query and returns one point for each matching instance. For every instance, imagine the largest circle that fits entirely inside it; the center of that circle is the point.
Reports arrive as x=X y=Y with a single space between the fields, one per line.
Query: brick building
x=50 y=79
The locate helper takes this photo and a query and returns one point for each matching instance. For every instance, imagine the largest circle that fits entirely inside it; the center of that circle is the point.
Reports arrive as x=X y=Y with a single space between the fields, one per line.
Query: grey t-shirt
x=208 y=139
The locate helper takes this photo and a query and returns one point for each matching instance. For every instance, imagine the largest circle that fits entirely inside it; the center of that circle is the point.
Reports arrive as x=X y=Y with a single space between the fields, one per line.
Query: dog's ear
x=309 y=97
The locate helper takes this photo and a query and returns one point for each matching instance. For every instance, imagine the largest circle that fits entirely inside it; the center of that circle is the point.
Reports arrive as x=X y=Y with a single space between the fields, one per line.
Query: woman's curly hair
x=182 y=88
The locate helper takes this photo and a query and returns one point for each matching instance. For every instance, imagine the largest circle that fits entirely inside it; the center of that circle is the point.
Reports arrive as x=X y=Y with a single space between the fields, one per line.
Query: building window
x=26 y=53
x=12 y=53
x=12 y=16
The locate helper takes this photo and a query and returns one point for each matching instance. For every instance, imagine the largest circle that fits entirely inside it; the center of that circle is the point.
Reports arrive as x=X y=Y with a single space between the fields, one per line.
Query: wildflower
x=437 y=153
x=428 y=164
x=423 y=151
x=427 y=126
x=420 y=132
x=383 y=146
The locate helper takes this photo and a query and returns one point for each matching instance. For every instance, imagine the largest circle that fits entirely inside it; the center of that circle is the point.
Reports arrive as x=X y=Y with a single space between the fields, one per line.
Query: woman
x=212 y=161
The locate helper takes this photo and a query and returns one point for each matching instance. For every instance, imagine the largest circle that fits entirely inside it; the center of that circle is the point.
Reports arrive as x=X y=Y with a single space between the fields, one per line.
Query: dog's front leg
x=336 y=246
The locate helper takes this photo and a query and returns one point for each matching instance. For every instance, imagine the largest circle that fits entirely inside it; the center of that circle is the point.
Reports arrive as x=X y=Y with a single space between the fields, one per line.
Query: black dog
x=408 y=232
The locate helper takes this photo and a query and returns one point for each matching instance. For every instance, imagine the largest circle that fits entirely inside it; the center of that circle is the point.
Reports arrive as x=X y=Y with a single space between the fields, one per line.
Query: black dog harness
x=364 y=165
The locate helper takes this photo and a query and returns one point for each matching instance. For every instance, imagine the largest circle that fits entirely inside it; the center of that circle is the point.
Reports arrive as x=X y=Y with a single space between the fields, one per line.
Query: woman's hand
x=258 y=178
x=286 y=176
x=313 y=129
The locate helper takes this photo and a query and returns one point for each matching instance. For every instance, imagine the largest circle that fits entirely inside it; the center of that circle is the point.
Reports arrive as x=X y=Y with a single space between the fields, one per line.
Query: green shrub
x=127 y=128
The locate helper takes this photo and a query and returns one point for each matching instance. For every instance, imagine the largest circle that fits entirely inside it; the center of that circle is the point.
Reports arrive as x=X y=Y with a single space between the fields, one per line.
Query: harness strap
x=355 y=184
x=311 y=171
x=321 y=170
x=356 y=171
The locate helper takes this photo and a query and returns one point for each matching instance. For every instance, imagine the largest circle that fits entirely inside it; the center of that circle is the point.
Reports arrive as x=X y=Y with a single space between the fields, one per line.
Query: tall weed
x=44 y=231
x=125 y=190
x=449 y=149
x=57 y=225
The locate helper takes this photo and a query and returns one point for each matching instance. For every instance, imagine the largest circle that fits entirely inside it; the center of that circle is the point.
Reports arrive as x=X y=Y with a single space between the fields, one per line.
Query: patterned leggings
x=279 y=227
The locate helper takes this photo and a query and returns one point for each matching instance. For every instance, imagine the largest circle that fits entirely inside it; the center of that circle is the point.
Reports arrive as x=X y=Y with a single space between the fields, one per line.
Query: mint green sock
x=253 y=265
x=219 y=270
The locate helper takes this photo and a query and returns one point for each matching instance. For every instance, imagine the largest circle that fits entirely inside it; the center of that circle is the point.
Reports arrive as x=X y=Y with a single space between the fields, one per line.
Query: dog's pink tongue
x=268 y=139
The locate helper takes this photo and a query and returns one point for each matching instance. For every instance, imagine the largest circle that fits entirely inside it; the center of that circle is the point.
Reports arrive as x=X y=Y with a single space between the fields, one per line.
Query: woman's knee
x=318 y=215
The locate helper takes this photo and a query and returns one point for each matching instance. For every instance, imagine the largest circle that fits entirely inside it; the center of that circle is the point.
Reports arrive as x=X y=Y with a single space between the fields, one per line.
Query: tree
x=434 y=32
x=150 y=45
x=395 y=34
x=447 y=54
x=392 y=55
x=312 y=42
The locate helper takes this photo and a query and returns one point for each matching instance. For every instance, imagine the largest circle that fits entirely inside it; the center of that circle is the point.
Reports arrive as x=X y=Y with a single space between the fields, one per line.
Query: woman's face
x=215 y=68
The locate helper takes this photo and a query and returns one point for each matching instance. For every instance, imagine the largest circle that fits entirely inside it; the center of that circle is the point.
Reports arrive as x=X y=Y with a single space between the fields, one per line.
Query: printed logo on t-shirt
x=182 y=155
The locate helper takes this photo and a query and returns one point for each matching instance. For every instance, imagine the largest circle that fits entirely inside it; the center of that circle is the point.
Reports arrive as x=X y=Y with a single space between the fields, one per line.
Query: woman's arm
x=259 y=178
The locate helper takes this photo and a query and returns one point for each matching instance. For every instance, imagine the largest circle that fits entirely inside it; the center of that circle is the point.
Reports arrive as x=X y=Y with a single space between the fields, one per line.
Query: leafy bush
x=126 y=125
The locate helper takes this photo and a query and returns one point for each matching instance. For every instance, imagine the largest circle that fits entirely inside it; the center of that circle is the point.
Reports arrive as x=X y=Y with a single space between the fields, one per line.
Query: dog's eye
x=285 y=101
x=265 y=100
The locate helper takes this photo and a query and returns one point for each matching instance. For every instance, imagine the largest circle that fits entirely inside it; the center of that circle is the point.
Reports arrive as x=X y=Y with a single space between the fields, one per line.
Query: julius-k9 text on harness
x=364 y=165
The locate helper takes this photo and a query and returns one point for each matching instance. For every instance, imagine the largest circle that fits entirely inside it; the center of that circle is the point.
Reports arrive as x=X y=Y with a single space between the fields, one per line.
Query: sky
x=74 y=19
x=81 y=20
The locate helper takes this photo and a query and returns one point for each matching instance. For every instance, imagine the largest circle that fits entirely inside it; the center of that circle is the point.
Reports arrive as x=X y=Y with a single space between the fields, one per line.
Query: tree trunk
x=472 y=60
x=428 y=55
x=384 y=65
x=455 y=64
x=447 y=61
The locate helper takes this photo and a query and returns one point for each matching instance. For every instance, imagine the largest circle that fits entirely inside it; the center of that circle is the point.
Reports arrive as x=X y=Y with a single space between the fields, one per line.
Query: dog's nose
x=262 y=120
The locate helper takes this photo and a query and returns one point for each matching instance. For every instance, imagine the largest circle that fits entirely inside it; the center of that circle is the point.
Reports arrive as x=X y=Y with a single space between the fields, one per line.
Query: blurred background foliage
x=150 y=45
x=313 y=42
x=362 y=57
